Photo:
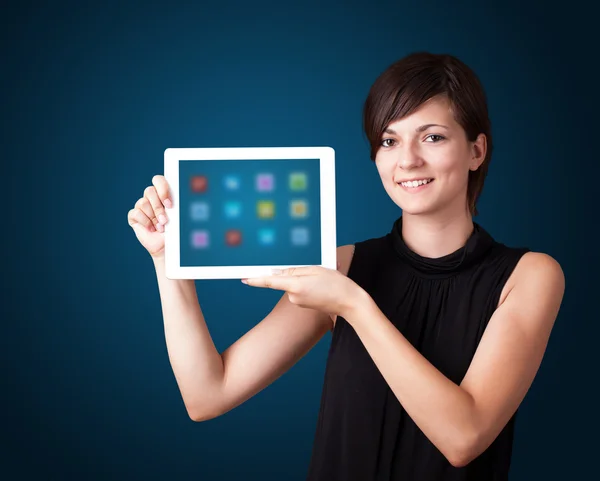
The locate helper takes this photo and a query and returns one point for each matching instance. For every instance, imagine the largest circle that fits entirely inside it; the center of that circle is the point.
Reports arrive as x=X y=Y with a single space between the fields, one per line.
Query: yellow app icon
x=298 y=208
x=265 y=209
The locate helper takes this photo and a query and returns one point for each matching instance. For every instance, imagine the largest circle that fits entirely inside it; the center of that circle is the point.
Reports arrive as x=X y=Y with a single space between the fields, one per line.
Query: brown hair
x=418 y=77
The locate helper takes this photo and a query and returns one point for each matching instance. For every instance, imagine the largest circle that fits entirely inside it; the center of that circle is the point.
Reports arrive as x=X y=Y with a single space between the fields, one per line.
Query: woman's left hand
x=315 y=287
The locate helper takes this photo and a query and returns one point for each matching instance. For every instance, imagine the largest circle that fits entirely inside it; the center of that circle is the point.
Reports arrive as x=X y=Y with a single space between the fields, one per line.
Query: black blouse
x=442 y=306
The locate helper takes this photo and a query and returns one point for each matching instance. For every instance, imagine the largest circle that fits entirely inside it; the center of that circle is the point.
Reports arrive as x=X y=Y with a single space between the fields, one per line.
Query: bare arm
x=196 y=363
x=211 y=383
x=462 y=421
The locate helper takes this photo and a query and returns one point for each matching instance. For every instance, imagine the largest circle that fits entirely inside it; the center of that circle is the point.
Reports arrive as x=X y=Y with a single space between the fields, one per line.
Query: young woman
x=438 y=329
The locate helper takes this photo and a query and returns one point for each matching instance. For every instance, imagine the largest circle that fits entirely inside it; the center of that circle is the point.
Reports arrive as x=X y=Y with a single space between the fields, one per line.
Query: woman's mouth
x=416 y=185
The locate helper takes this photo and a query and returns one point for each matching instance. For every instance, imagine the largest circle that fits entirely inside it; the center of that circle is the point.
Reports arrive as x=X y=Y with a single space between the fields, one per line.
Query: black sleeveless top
x=442 y=306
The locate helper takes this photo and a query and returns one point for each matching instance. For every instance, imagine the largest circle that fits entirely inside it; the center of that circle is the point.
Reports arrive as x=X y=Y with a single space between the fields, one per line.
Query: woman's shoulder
x=369 y=247
x=361 y=252
x=538 y=265
x=526 y=260
x=345 y=253
x=373 y=243
x=535 y=272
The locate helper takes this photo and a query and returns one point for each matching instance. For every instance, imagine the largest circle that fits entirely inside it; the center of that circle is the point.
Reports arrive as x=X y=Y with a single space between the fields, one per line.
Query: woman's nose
x=409 y=159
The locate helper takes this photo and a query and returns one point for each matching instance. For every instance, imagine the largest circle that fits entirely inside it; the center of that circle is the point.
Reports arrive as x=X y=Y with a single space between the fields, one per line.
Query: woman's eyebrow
x=421 y=128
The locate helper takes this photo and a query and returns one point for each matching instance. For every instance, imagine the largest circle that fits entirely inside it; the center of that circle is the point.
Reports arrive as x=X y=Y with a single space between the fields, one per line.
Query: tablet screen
x=250 y=212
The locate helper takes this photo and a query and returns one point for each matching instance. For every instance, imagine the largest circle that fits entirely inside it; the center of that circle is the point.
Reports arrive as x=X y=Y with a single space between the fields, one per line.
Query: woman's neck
x=435 y=236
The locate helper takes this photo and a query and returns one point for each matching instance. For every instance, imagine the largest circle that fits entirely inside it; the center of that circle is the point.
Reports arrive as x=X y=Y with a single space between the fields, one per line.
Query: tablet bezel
x=173 y=156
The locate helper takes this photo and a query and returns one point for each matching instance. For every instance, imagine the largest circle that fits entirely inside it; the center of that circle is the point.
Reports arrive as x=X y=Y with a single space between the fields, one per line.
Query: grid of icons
x=264 y=210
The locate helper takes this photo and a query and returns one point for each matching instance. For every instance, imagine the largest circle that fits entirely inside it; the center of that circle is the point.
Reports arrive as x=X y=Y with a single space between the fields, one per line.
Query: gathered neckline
x=477 y=245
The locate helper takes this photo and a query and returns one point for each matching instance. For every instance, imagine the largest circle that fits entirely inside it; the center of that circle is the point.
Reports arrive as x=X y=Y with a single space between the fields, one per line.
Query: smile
x=415 y=183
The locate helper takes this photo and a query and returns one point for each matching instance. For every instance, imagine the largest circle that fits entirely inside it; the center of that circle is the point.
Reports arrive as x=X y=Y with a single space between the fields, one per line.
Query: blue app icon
x=266 y=236
x=232 y=182
x=199 y=211
x=299 y=236
x=233 y=209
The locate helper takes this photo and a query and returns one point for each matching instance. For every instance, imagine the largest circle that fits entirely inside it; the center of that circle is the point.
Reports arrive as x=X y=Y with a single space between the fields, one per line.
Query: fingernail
x=244 y=281
x=160 y=227
x=168 y=203
x=162 y=219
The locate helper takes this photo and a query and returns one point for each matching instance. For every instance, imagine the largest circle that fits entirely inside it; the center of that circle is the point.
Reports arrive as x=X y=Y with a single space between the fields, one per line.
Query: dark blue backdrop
x=91 y=97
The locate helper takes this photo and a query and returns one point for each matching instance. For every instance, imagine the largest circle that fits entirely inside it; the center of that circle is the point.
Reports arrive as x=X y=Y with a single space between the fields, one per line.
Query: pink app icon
x=265 y=182
x=200 y=239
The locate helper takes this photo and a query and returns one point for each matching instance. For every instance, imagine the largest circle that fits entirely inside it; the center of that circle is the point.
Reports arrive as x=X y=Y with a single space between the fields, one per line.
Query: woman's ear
x=478 y=151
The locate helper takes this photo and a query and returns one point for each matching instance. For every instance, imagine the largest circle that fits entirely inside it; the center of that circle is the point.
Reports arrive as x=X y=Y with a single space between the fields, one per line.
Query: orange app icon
x=233 y=237
x=299 y=208
x=199 y=183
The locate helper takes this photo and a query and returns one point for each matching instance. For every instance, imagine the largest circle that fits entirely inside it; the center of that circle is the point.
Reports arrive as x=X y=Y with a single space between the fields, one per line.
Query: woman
x=438 y=330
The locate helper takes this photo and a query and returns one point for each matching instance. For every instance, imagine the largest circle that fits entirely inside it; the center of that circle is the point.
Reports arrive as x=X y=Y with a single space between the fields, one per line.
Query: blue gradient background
x=250 y=252
x=90 y=98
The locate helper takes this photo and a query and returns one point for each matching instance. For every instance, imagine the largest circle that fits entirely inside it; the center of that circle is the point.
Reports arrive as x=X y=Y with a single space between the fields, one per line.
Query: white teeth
x=416 y=183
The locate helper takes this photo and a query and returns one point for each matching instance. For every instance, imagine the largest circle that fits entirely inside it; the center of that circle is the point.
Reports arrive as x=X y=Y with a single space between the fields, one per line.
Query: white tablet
x=241 y=212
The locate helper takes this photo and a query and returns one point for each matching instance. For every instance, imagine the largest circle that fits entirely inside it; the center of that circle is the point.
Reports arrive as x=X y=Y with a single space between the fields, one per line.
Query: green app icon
x=298 y=181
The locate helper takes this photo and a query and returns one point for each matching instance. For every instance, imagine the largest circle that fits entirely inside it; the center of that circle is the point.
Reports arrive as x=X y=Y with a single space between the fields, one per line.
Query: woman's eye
x=439 y=137
x=387 y=142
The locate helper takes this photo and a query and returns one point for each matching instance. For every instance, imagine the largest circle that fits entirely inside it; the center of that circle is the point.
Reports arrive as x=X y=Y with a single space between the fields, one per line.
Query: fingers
x=149 y=211
x=283 y=278
x=162 y=189
x=143 y=205
x=157 y=215
x=296 y=271
x=283 y=283
x=136 y=216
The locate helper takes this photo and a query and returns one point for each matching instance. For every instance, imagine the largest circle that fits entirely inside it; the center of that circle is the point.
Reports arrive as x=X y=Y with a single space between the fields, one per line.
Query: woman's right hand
x=148 y=217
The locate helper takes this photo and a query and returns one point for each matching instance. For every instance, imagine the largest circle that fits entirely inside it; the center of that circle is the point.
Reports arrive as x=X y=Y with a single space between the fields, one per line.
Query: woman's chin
x=416 y=208
x=416 y=211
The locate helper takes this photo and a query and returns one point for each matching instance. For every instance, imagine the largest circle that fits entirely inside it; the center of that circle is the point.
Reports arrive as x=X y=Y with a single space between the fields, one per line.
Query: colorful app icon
x=199 y=211
x=199 y=184
x=298 y=208
x=200 y=239
x=233 y=209
x=266 y=237
x=265 y=209
x=298 y=181
x=233 y=237
x=300 y=236
x=232 y=182
x=265 y=182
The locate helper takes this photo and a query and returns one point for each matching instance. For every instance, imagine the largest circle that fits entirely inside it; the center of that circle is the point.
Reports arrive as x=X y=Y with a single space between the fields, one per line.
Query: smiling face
x=429 y=150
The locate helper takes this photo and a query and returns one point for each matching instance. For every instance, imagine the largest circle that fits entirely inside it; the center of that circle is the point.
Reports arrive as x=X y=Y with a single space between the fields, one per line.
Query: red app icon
x=233 y=237
x=199 y=183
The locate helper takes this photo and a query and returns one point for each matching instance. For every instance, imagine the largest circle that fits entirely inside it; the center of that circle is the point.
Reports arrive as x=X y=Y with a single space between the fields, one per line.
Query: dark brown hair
x=418 y=77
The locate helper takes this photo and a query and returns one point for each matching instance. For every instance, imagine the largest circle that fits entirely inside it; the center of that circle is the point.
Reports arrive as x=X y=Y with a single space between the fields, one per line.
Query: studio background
x=90 y=98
